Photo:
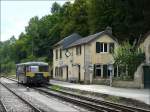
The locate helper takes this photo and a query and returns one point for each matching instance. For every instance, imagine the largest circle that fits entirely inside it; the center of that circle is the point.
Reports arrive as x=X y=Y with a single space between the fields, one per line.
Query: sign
x=60 y=62
x=91 y=67
x=110 y=67
x=67 y=53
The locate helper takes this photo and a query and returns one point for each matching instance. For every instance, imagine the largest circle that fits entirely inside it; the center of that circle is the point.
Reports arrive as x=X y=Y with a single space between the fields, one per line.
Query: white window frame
x=104 y=47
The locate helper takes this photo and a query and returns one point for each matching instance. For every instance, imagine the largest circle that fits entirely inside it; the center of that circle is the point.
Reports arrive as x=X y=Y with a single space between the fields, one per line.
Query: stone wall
x=136 y=83
x=125 y=84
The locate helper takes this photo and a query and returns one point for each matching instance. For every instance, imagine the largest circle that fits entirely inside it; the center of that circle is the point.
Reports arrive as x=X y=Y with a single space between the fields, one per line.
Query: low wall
x=101 y=81
x=126 y=84
x=136 y=83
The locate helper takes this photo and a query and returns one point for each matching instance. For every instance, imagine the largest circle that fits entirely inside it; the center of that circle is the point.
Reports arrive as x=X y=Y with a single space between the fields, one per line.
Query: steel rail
x=90 y=105
x=3 y=106
x=25 y=101
x=124 y=108
x=83 y=103
x=121 y=107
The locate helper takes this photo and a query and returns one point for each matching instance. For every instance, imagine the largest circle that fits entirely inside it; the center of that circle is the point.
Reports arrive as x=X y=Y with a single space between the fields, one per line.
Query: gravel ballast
x=43 y=102
x=12 y=102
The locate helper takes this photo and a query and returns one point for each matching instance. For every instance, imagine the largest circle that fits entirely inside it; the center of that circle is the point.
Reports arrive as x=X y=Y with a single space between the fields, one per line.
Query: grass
x=114 y=99
x=56 y=87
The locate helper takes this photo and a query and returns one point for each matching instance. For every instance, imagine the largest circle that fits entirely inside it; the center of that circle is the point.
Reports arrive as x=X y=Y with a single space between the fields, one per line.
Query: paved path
x=138 y=94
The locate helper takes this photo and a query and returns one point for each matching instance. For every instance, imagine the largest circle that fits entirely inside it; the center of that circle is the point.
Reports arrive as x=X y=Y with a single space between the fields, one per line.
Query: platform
x=137 y=94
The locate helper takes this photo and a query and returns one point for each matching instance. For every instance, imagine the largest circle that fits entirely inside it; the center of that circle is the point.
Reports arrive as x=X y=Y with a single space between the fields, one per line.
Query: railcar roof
x=33 y=63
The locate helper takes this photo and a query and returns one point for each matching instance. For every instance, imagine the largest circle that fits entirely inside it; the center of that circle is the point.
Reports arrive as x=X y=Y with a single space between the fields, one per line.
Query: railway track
x=2 y=107
x=34 y=109
x=91 y=103
x=106 y=103
x=83 y=103
x=94 y=104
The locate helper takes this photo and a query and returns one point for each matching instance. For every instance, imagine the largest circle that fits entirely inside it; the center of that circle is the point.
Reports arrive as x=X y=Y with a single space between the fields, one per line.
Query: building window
x=101 y=71
x=78 y=50
x=56 y=54
x=58 y=71
x=104 y=47
x=101 y=47
x=98 y=70
x=60 y=53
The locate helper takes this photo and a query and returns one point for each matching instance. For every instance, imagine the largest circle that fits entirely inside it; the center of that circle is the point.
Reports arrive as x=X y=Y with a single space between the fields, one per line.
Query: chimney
x=108 y=29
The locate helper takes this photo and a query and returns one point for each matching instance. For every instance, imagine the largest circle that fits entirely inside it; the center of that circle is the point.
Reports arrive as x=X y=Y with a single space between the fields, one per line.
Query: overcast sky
x=15 y=15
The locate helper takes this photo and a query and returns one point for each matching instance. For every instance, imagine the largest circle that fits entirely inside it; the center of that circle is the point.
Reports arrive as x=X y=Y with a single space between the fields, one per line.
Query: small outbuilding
x=143 y=71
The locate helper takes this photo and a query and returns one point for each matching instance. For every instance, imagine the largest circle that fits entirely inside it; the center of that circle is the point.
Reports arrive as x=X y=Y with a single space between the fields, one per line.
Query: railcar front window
x=43 y=69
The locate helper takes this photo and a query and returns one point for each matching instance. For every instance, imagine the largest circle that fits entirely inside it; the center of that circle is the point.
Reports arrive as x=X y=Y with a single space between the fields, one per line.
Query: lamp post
x=110 y=68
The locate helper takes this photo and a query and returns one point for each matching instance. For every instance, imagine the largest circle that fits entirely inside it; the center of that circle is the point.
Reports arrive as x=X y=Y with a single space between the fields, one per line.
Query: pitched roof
x=68 y=40
x=34 y=63
x=90 y=38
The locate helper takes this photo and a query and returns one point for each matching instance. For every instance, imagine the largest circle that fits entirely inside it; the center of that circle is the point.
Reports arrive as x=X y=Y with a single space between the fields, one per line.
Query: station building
x=85 y=59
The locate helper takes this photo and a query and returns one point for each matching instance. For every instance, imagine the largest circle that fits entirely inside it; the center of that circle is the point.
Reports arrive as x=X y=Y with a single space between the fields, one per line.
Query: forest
x=129 y=19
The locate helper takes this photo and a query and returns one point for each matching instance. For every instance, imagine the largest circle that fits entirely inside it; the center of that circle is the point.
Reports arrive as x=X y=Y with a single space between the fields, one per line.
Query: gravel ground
x=64 y=102
x=43 y=102
x=12 y=102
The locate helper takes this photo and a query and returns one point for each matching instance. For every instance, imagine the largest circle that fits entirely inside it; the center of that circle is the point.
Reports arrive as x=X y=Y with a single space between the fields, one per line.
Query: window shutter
x=56 y=54
x=76 y=50
x=97 y=47
x=111 y=47
x=94 y=74
x=60 y=53
x=80 y=49
x=105 y=71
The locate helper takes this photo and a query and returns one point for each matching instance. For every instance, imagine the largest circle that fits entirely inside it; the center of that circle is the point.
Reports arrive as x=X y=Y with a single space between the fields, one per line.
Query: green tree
x=32 y=31
x=55 y=8
x=128 y=58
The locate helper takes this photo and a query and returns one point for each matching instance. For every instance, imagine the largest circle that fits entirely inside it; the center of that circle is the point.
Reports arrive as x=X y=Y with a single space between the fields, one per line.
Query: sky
x=15 y=15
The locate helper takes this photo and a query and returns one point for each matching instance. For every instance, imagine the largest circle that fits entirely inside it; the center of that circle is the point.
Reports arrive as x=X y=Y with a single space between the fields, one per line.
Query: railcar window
x=20 y=69
x=43 y=68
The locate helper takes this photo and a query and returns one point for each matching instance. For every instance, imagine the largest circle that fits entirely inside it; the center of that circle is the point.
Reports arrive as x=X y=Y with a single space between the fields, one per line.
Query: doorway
x=66 y=73
x=79 y=73
x=146 y=70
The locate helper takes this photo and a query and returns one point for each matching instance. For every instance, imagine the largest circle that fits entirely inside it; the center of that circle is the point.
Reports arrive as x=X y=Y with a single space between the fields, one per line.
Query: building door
x=98 y=71
x=67 y=73
x=146 y=70
x=79 y=74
